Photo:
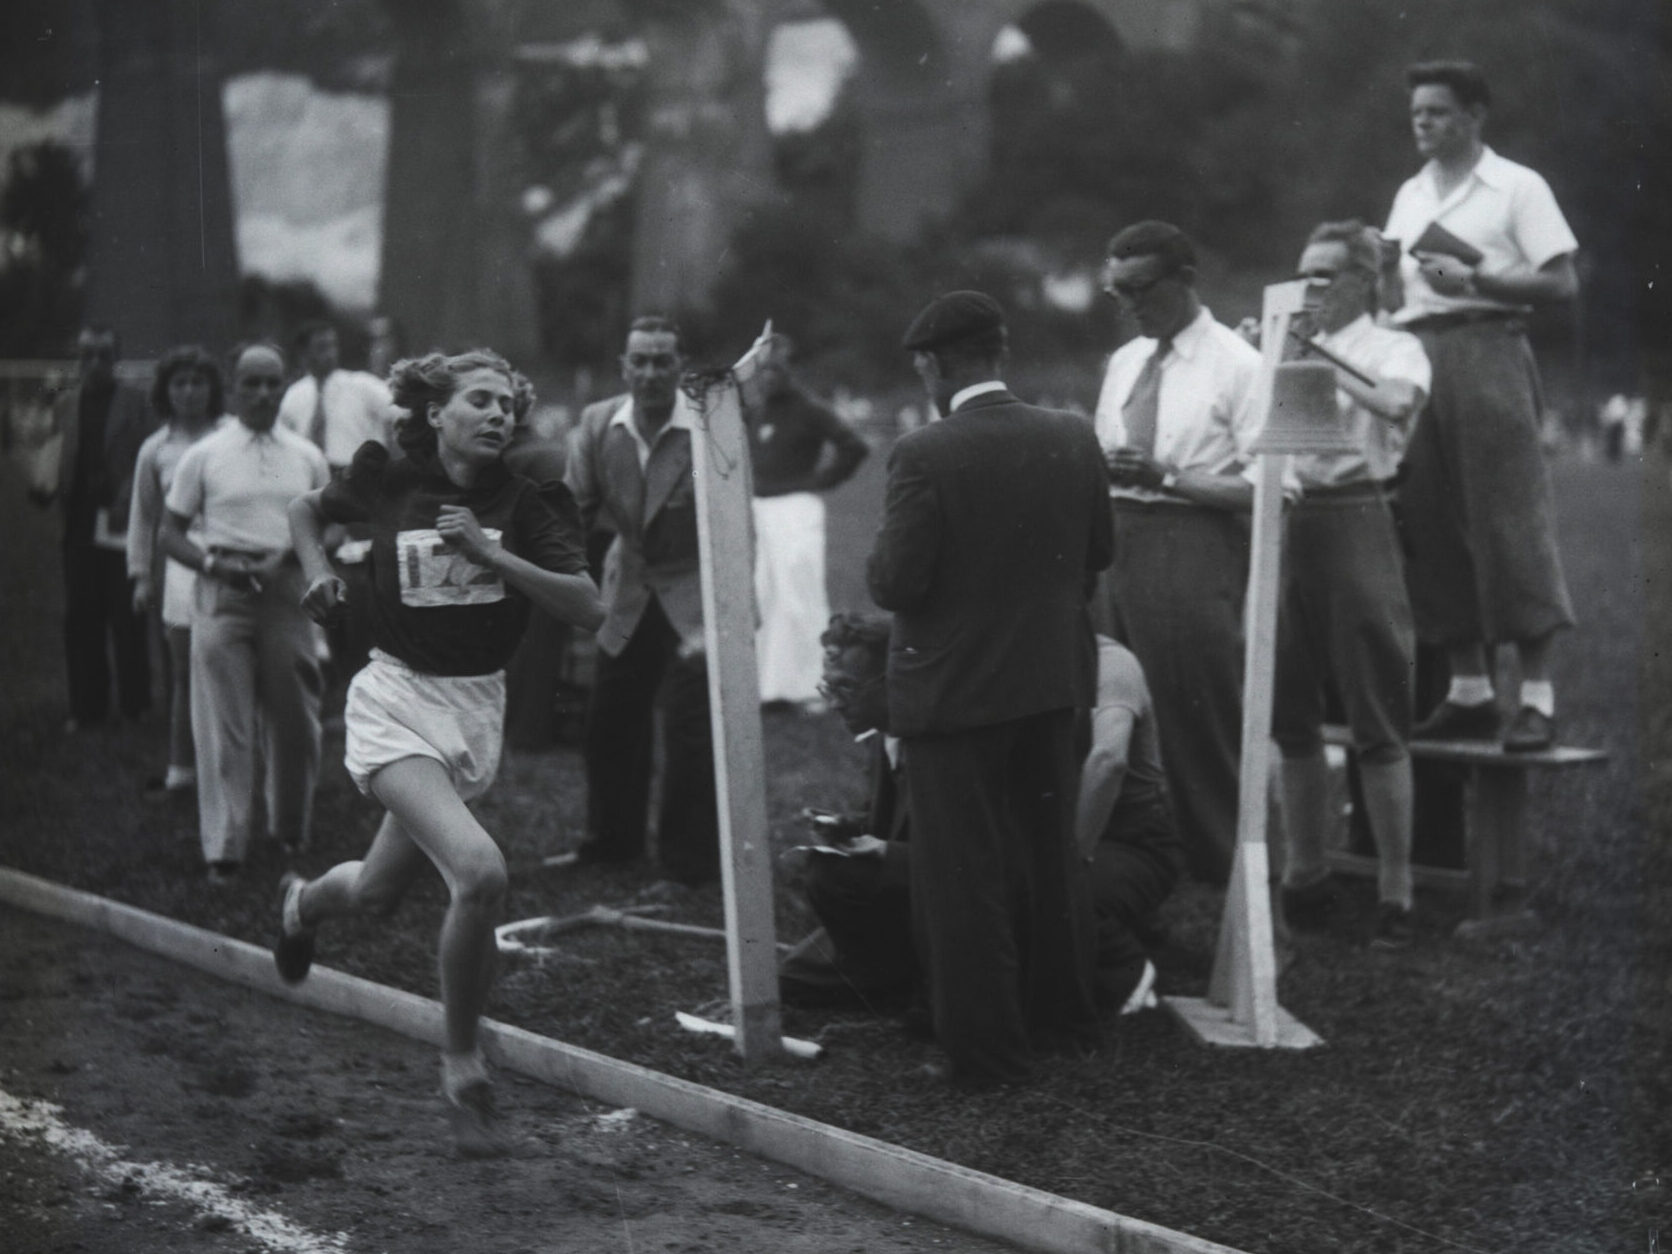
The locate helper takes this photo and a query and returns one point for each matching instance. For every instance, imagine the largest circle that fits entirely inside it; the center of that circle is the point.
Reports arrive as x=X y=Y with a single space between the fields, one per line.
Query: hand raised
x=458 y=526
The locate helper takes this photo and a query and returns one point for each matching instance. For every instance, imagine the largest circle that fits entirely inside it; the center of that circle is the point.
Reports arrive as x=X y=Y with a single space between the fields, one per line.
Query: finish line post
x=725 y=532
x=1241 y=1006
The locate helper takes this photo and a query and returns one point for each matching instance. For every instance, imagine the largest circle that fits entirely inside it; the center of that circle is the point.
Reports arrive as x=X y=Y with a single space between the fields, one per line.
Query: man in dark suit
x=631 y=459
x=102 y=423
x=995 y=527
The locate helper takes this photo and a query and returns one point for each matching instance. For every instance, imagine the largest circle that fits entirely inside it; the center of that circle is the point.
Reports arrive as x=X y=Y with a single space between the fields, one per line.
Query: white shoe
x=1143 y=997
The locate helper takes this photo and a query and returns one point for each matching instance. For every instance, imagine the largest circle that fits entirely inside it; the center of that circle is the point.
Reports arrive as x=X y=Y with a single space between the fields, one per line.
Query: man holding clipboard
x=1483 y=242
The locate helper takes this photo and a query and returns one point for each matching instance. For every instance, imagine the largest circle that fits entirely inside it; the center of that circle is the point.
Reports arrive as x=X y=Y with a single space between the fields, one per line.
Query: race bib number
x=435 y=573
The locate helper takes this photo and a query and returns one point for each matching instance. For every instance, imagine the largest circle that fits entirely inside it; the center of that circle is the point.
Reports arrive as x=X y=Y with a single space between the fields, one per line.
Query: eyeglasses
x=1133 y=290
x=1322 y=276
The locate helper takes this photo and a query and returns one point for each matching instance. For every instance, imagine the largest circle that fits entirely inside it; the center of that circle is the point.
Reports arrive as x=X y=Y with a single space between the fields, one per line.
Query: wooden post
x=1241 y=1006
x=720 y=460
x=1495 y=809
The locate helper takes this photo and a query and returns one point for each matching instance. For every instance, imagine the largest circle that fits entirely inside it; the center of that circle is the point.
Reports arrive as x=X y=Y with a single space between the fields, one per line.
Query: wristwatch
x=1170 y=480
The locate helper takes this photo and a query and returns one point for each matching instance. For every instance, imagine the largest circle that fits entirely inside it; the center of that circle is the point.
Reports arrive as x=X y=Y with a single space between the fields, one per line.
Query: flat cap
x=953 y=317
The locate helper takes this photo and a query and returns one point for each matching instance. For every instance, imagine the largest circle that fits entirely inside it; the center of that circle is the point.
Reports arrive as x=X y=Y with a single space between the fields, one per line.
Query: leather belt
x=1344 y=492
x=1465 y=318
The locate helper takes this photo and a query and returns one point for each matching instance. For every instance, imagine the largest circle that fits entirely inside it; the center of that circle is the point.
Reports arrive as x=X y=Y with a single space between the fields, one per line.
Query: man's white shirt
x=678 y=420
x=358 y=407
x=236 y=485
x=1503 y=208
x=1206 y=415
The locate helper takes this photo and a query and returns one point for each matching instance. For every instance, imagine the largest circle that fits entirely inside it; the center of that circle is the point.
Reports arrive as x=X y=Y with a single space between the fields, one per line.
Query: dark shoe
x=1393 y=927
x=1451 y=721
x=293 y=952
x=1529 y=731
x=174 y=786
x=222 y=873
x=1310 y=907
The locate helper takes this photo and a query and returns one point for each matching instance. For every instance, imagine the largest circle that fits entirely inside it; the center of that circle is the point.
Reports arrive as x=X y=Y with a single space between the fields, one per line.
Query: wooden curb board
x=901 y=1178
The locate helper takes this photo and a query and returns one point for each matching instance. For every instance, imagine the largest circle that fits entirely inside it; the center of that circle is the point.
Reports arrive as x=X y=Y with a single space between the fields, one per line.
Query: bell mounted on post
x=1303 y=416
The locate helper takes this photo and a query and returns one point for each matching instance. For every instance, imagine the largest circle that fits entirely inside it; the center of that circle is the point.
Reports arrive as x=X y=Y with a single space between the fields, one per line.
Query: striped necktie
x=1143 y=403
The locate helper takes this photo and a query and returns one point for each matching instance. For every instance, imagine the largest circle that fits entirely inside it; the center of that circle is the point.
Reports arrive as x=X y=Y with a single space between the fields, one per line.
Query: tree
x=43 y=226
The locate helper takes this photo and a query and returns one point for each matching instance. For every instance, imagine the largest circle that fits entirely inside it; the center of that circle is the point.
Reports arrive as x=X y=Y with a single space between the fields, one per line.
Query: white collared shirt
x=1205 y=414
x=1503 y=208
x=971 y=392
x=237 y=484
x=358 y=407
x=679 y=420
x=1382 y=353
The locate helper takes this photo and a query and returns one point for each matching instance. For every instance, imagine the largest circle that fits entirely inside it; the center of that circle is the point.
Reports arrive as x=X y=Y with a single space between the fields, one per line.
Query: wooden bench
x=1497 y=849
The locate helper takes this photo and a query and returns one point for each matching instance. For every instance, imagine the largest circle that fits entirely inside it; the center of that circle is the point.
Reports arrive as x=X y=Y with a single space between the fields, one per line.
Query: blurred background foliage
x=1246 y=141
x=43 y=224
x=1280 y=115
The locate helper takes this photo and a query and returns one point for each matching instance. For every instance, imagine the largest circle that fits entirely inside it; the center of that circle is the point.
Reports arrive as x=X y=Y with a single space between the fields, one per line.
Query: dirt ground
x=294 y=1131
x=1499 y=1096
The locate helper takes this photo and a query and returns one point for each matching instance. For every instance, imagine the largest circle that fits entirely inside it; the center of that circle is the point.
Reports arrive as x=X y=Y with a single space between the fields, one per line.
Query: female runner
x=460 y=548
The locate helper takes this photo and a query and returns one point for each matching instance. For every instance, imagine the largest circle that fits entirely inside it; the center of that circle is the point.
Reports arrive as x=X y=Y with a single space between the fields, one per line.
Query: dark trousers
x=100 y=624
x=1133 y=870
x=1175 y=598
x=532 y=681
x=1000 y=910
x=863 y=948
x=1345 y=618
x=618 y=754
x=1475 y=504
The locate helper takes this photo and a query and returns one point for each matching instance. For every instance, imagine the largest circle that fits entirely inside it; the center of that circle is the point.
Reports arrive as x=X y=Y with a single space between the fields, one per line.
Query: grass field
x=1501 y=1096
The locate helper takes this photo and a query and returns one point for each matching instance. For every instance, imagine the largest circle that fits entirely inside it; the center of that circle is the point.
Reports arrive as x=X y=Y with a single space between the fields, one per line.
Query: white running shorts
x=396 y=712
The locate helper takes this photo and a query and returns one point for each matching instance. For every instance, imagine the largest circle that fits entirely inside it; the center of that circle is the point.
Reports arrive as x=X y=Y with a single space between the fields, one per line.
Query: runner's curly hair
x=416 y=383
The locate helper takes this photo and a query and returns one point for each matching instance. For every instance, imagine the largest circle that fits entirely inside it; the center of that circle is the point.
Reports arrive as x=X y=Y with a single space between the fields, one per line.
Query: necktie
x=1144 y=401
x=316 y=427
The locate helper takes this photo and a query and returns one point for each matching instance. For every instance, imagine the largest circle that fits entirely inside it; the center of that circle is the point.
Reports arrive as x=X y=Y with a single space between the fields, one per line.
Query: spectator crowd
x=1051 y=701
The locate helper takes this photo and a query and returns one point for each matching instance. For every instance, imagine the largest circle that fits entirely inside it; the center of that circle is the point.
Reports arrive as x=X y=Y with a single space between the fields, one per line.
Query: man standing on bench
x=1345 y=614
x=1483 y=243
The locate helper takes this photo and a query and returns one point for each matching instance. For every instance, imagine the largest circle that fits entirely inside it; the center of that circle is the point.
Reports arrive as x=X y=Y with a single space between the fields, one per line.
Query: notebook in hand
x=1436 y=239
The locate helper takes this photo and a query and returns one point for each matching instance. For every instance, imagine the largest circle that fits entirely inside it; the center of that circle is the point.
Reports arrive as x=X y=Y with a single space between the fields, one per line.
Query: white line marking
x=22 y=1119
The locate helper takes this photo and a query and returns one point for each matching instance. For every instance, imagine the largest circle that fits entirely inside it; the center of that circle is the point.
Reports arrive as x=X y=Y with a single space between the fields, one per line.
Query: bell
x=1304 y=417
